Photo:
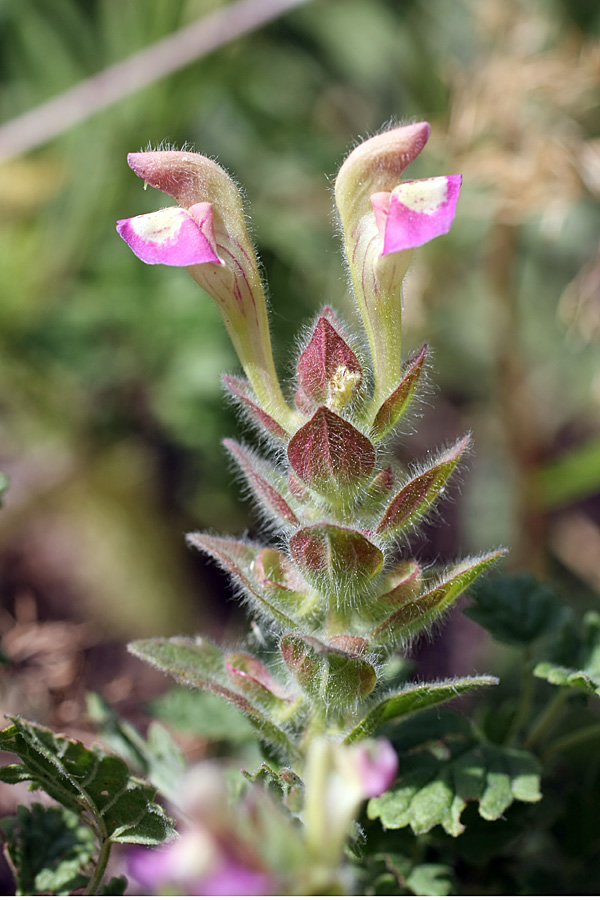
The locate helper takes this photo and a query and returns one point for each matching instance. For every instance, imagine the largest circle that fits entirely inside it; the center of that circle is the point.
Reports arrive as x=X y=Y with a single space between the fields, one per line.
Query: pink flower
x=383 y=219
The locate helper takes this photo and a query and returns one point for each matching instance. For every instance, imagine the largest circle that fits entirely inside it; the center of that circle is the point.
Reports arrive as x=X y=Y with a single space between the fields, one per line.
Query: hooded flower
x=207 y=234
x=383 y=220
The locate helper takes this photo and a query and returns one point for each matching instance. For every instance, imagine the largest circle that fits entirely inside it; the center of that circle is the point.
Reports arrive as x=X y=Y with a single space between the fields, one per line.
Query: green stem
x=101 y=863
x=547 y=719
x=570 y=740
x=523 y=710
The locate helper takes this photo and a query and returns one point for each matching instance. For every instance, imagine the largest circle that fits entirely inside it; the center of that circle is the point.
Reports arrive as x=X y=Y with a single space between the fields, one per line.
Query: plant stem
x=101 y=863
x=570 y=740
x=547 y=718
x=523 y=709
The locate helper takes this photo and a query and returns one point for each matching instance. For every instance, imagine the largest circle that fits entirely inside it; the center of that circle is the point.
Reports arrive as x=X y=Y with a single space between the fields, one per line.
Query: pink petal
x=376 y=765
x=415 y=212
x=169 y=236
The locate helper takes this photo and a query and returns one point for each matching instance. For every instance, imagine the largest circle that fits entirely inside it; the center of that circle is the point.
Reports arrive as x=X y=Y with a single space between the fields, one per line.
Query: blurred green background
x=112 y=410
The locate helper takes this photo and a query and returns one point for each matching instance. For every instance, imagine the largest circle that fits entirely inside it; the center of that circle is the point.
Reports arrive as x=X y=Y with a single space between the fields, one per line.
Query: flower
x=338 y=779
x=383 y=220
x=207 y=234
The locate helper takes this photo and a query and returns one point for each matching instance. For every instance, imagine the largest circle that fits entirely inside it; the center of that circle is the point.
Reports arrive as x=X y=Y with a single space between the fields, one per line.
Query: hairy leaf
x=418 y=613
x=198 y=712
x=94 y=784
x=200 y=664
x=392 y=409
x=414 y=500
x=451 y=766
x=411 y=699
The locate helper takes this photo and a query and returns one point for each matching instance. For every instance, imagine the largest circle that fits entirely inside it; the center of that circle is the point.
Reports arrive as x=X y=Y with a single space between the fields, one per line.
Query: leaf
x=329 y=554
x=413 y=501
x=579 y=668
x=431 y=880
x=411 y=699
x=399 y=400
x=328 y=454
x=450 y=767
x=325 y=355
x=200 y=664
x=239 y=559
x=91 y=783
x=264 y=481
x=329 y=674
x=418 y=613
x=49 y=850
x=116 y=887
x=207 y=715
x=516 y=609
x=159 y=759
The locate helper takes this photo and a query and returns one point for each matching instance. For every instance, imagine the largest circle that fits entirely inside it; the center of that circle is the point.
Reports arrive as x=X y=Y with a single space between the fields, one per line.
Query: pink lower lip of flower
x=171 y=237
x=415 y=212
x=236 y=880
x=376 y=766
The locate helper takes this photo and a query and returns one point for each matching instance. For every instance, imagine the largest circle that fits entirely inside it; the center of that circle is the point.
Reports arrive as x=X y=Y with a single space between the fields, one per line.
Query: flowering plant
x=334 y=596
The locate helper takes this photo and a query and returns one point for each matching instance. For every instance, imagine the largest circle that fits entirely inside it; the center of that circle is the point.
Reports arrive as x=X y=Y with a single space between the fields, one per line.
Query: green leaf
x=116 y=887
x=453 y=765
x=431 y=880
x=516 y=609
x=159 y=759
x=411 y=699
x=49 y=849
x=197 y=712
x=89 y=782
x=577 y=662
x=416 y=614
x=200 y=664
x=414 y=500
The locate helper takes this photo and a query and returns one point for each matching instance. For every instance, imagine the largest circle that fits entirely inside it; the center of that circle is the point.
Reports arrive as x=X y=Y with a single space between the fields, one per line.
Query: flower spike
x=207 y=234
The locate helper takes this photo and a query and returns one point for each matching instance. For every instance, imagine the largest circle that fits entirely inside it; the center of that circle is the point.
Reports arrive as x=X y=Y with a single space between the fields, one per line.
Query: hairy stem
x=101 y=864
x=548 y=718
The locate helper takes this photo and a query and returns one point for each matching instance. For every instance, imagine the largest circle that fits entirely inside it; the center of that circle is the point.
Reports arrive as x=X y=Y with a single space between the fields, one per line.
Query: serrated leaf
x=418 y=613
x=516 y=609
x=576 y=662
x=451 y=767
x=414 y=500
x=411 y=699
x=89 y=782
x=200 y=664
x=49 y=850
x=431 y=880
x=159 y=759
x=564 y=677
